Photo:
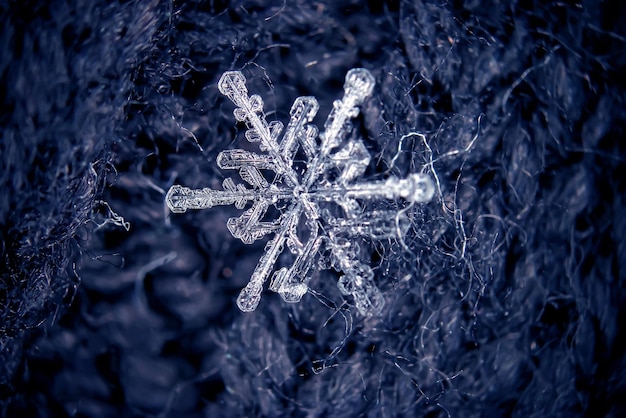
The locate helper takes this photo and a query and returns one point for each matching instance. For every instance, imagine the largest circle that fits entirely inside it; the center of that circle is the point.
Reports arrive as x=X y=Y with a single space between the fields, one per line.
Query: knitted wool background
x=507 y=299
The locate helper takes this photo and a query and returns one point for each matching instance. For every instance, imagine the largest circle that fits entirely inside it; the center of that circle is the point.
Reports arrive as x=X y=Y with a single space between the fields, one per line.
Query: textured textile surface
x=507 y=296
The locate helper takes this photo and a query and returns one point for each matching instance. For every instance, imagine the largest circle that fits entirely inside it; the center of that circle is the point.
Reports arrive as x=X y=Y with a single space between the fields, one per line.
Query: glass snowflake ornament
x=320 y=206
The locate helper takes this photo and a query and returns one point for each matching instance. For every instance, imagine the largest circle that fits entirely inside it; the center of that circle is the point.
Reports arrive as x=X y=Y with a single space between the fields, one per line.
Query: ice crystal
x=319 y=208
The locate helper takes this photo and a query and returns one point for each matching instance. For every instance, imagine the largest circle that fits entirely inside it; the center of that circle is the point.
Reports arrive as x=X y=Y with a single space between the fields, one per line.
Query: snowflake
x=319 y=207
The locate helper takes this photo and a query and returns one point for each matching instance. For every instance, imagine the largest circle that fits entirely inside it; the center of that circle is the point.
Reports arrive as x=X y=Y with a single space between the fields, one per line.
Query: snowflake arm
x=250 y=296
x=358 y=86
x=232 y=84
x=299 y=131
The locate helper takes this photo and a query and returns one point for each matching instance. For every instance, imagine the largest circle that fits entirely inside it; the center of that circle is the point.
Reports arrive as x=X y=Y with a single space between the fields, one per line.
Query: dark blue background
x=507 y=300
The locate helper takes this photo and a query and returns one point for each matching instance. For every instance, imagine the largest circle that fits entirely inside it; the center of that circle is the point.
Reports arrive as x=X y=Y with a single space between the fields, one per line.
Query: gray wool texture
x=506 y=298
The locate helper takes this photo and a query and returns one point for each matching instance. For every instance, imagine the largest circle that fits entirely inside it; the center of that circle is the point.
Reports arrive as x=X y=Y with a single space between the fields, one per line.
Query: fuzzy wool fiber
x=506 y=297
